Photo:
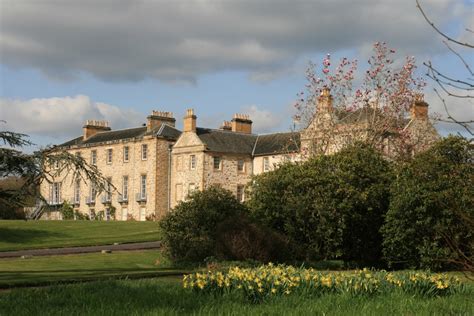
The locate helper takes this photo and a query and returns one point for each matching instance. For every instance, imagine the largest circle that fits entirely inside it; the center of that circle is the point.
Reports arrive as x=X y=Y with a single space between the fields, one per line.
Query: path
x=76 y=250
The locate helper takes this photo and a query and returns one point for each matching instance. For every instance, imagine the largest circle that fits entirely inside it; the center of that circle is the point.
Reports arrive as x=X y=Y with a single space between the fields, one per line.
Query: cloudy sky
x=65 y=61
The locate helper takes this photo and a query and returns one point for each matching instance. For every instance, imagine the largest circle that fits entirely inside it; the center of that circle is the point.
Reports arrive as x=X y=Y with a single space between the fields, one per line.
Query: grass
x=82 y=267
x=165 y=296
x=21 y=235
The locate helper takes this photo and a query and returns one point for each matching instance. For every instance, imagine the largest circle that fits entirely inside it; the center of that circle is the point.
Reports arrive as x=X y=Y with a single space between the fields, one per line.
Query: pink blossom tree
x=371 y=111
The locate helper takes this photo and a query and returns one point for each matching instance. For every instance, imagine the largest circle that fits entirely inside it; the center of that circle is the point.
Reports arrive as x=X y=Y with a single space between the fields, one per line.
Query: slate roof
x=239 y=143
x=221 y=141
x=277 y=143
x=227 y=141
x=164 y=131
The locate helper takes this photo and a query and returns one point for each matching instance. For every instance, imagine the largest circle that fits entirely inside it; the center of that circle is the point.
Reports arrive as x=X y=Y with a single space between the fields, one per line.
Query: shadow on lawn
x=20 y=236
x=116 y=297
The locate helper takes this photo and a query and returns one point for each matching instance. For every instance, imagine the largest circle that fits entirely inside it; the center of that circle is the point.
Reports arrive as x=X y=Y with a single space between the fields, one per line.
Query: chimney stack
x=189 y=121
x=157 y=118
x=93 y=127
x=226 y=126
x=419 y=109
x=241 y=123
x=325 y=101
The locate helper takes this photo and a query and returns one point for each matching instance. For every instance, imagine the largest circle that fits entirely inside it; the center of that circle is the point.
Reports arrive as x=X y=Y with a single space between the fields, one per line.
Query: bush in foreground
x=189 y=231
x=431 y=216
x=330 y=206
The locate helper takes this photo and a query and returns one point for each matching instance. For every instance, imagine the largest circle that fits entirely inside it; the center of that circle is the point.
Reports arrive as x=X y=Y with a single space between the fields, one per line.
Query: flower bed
x=266 y=281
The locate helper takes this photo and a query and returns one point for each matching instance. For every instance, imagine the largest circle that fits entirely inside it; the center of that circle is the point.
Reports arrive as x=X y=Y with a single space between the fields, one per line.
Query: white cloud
x=264 y=121
x=62 y=117
x=179 y=40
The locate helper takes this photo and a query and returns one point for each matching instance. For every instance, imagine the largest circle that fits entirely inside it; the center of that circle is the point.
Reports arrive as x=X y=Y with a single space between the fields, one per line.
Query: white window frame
x=55 y=193
x=192 y=162
x=125 y=188
x=214 y=158
x=266 y=164
x=191 y=188
x=239 y=164
x=77 y=191
x=144 y=152
x=93 y=192
x=94 y=157
x=126 y=154
x=240 y=193
x=143 y=186
x=109 y=157
x=108 y=190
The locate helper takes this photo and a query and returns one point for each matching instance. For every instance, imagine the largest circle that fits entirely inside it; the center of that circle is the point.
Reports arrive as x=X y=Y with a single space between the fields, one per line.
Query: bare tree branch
x=438 y=30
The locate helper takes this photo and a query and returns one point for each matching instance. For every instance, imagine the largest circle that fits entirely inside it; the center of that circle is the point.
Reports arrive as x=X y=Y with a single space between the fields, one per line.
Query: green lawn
x=166 y=297
x=53 y=269
x=20 y=235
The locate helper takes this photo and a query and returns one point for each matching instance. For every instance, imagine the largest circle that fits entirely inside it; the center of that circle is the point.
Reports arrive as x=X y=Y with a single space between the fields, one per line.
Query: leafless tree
x=448 y=86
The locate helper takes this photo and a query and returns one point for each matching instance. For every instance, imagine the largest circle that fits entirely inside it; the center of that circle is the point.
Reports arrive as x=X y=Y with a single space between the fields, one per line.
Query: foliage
x=431 y=216
x=166 y=296
x=189 y=231
x=330 y=206
x=39 y=167
x=67 y=211
x=385 y=95
x=258 y=284
x=240 y=238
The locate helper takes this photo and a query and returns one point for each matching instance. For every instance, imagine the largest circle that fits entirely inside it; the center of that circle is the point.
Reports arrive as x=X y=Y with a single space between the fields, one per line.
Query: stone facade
x=177 y=163
x=137 y=167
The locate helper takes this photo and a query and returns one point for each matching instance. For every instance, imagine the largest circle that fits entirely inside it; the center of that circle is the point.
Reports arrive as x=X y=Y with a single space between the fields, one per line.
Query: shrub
x=238 y=238
x=67 y=211
x=333 y=206
x=430 y=221
x=189 y=231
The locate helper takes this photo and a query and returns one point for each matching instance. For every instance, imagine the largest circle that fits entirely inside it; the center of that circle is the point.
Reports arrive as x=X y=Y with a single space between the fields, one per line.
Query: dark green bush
x=332 y=206
x=239 y=238
x=431 y=216
x=189 y=231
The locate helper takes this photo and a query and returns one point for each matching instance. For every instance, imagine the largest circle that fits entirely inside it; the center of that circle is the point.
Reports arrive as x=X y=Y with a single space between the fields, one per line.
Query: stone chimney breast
x=93 y=127
x=189 y=121
x=226 y=126
x=419 y=109
x=325 y=101
x=157 y=118
x=241 y=123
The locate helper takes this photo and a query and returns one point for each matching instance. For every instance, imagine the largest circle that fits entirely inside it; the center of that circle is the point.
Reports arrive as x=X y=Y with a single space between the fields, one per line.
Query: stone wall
x=155 y=167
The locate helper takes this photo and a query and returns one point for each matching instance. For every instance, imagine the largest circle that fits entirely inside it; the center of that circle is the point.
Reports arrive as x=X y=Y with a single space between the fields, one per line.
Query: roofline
x=255 y=146
x=226 y=131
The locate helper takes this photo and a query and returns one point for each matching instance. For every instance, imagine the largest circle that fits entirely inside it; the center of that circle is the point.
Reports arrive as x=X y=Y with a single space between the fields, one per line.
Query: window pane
x=240 y=165
x=125 y=153
x=217 y=163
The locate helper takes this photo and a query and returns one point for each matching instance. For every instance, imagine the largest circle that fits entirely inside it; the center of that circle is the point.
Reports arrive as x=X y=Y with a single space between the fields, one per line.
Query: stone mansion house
x=155 y=166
